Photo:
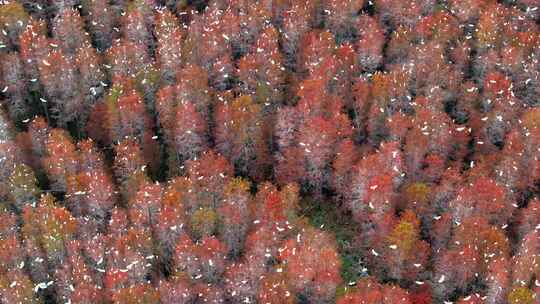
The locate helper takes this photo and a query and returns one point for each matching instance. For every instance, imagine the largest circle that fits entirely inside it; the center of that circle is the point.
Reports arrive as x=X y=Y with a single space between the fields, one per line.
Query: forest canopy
x=269 y=151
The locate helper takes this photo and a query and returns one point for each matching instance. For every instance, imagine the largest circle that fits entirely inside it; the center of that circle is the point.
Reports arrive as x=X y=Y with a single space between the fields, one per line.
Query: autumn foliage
x=269 y=151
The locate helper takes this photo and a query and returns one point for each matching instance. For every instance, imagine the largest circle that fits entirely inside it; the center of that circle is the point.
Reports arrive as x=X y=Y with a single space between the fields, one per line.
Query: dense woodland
x=270 y=151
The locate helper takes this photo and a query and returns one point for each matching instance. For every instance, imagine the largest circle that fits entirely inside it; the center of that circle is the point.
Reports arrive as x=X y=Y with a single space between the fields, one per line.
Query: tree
x=525 y=260
x=517 y=168
x=60 y=82
x=328 y=106
x=93 y=247
x=370 y=45
x=290 y=166
x=532 y=138
x=400 y=14
x=101 y=22
x=171 y=217
x=209 y=43
x=142 y=293
x=125 y=116
x=461 y=55
x=136 y=26
x=54 y=226
x=458 y=268
x=441 y=231
x=210 y=293
x=374 y=181
x=90 y=156
x=23 y=186
x=277 y=209
x=261 y=71
x=127 y=261
x=183 y=113
x=169 y=45
x=6 y=127
x=210 y=35
x=16 y=287
x=485 y=197
x=521 y=295
x=490 y=21
x=37 y=134
x=14 y=87
x=340 y=84
x=56 y=6
x=61 y=161
x=144 y=206
x=86 y=294
x=90 y=192
x=74 y=278
x=346 y=156
x=204 y=221
x=296 y=22
x=204 y=260
x=316 y=46
x=430 y=63
x=369 y=291
x=419 y=120
x=339 y=16
x=311 y=265
x=285 y=127
x=359 y=106
x=128 y=60
x=118 y=223
x=261 y=247
x=209 y=175
x=389 y=95
x=193 y=86
x=432 y=138
x=31 y=243
x=473 y=256
x=234 y=215
x=68 y=30
x=129 y=166
x=399 y=44
x=239 y=136
x=178 y=290
x=91 y=78
x=253 y=18
x=10 y=157
x=472 y=299
x=403 y=255
x=499 y=105
x=395 y=294
x=305 y=155
x=13 y=20
x=317 y=138
x=468 y=10
x=34 y=47
x=421 y=295
x=520 y=51
x=498 y=280
x=418 y=197
x=11 y=251
x=528 y=218
x=440 y=26
x=243 y=279
x=275 y=289
x=190 y=133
